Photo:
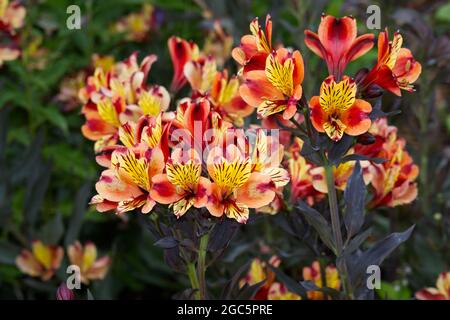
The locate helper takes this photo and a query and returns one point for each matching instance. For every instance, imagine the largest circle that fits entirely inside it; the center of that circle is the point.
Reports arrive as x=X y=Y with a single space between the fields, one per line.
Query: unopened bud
x=64 y=293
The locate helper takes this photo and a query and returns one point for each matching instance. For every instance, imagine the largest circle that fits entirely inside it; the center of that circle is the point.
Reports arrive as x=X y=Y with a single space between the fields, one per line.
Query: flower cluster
x=273 y=290
x=44 y=260
x=272 y=77
x=190 y=157
x=12 y=16
x=393 y=180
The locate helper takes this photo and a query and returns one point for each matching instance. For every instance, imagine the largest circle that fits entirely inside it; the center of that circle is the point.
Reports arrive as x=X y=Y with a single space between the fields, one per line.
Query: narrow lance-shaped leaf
x=354 y=196
x=375 y=255
x=319 y=223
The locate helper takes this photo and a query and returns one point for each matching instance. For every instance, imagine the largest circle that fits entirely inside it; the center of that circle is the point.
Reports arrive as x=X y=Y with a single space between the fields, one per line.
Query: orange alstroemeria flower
x=42 y=261
x=137 y=25
x=302 y=178
x=337 y=111
x=12 y=16
x=85 y=258
x=222 y=91
x=341 y=175
x=441 y=292
x=270 y=290
x=181 y=51
x=337 y=44
x=235 y=187
x=254 y=48
x=182 y=186
x=127 y=184
x=394 y=179
x=8 y=54
x=277 y=87
x=313 y=274
x=112 y=97
x=396 y=67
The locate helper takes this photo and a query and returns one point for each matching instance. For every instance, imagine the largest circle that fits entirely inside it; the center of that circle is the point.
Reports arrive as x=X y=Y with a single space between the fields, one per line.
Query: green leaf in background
x=443 y=13
x=394 y=291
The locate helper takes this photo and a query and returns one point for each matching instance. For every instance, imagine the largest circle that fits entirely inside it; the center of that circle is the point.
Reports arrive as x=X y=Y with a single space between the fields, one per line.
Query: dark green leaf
x=318 y=222
x=354 y=196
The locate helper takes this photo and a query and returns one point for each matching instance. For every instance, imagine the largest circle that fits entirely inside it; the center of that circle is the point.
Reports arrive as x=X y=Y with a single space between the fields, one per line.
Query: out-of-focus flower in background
x=42 y=261
x=64 y=293
x=314 y=274
x=394 y=179
x=12 y=17
x=441 y=292
x=91 y=267
x=137 y=26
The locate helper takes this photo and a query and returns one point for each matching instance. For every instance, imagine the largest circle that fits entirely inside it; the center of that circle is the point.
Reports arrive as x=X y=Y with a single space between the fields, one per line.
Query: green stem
x=201 y=266
x=192 y=274
x=336 y=227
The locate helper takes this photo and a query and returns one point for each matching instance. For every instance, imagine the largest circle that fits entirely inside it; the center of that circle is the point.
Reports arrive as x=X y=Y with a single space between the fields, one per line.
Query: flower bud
x=64 y=293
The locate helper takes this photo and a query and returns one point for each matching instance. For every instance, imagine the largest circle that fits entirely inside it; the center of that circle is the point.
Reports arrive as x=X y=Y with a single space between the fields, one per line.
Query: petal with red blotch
x=386 y=79
x=111 y=188
x=156 y=164
x=180 y=52
x=257 y=192
x=356 y=118
x=215 y=204
x=203 y=192
x=163 y=191
x=318 y=116
x=96 y=128
x=299 y=71
x=196 y=115
x=257 y=88
x=256 y=62
x=429 y=294
x=312 y=41
x=103 y=205
x=337 y=35
x=383 y=44
x=239 y=107
x=360 y=46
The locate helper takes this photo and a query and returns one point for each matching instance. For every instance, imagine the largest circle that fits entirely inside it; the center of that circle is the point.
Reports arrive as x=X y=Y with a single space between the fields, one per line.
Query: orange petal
x=318 y=116
x=163 y=191
x=111 y=188
x=356 y=118
x=257 y=192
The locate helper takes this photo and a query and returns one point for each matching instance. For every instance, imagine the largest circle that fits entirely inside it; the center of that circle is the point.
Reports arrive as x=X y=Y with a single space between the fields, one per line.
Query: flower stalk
x=336 y=228
x=201 y=265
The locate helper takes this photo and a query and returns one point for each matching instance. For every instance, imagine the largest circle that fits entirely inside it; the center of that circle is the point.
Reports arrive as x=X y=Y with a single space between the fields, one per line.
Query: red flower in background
x=337 y=44
x=181 y=51
x=441 y=292
x=396 y=67
x=255 y=47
